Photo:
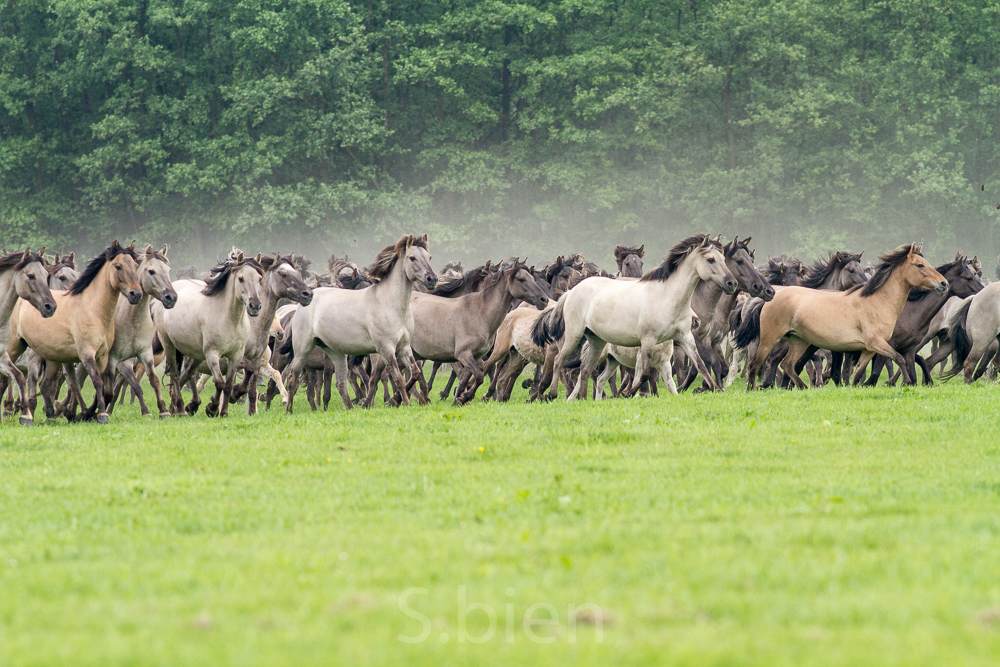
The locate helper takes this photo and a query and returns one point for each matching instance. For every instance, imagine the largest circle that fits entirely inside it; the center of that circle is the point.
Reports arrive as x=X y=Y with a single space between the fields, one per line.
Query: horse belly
x=845 y=337
x=613 y=322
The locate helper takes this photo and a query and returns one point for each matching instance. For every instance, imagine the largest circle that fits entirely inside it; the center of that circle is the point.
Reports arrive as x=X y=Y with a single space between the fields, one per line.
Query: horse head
x=522 y=285
x=710 y=264
x=916 y=271
x=247 y=283
x=961 y=275
x=851 y=271
x=413 y=252
x=31 y=281
x=285 y=281
x=154 y=276
x=629 y=260
x=122 y=275
x=739 y=260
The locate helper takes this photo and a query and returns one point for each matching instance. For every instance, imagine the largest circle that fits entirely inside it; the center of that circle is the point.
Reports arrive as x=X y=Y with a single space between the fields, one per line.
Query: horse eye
x=413 y=259
x=152 y=272
x=711 y=261
x=740 y=262
x=31 y=277
x=241 y=280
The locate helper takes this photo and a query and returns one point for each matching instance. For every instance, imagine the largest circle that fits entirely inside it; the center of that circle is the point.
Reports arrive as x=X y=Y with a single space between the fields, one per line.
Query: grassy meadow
x=827 y=527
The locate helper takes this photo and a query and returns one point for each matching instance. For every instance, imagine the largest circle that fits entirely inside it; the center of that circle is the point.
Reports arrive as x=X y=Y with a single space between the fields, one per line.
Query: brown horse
x=860 y=319
x=82 y=328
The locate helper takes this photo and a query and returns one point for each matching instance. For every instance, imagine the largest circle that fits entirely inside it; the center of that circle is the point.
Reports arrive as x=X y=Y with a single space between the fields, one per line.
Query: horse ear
x=42 y=251
x=164 y=251
x=860 y=254
x=642 y=250
x=258 y=257
x=423 y=240
x=132 y=247
x=240 y=257
x=27 y=251
x=114 y=245
x=56 y=260
x=920 y=247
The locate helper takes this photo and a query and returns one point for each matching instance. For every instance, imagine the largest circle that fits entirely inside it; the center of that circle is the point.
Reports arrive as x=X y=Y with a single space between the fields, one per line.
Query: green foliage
x=572 y=122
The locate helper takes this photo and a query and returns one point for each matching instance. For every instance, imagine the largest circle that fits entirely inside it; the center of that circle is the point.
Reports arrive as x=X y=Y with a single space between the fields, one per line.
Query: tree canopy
x=500 y=126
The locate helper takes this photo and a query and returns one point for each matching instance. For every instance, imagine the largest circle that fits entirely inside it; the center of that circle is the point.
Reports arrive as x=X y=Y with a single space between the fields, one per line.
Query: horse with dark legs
x=23 y=280
x=921 y=307
x=210 y=324
x=82 y=328
x=373 y=320
x=460 y=331
x=860 y=319
x=134 y=330
x=641 y=313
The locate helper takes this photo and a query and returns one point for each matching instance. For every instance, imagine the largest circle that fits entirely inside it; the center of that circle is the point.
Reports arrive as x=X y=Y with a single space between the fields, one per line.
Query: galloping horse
x=82 y=328
x=460 y=331
x=134 y=328
x=23 y=275
x=860 y=319
x=641 y=313
x=210 y=323
x=353 y=322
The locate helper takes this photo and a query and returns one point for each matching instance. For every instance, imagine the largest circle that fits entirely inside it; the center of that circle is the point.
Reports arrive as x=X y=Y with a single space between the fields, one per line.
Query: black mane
x=890 y=262
x=817 y=274
x=219 y=277
x=95 y=265
x=674 y=258
x=472 y=278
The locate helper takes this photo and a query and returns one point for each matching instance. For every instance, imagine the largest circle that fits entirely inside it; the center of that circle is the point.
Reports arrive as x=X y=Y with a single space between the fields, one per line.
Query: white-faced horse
x=642 y=313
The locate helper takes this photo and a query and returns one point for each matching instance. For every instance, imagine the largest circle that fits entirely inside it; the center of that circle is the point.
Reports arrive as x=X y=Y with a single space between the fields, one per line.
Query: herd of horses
x=707 y=311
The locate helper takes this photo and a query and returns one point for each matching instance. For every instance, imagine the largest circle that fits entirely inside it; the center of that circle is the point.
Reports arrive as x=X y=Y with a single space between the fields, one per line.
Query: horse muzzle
x=767 y=293
x=430 y=281
x=729 y=286
x=305 y=297
x=169 y=300
x=253 y=309
x=48 y=309
x=942 y=287
x=133 y=296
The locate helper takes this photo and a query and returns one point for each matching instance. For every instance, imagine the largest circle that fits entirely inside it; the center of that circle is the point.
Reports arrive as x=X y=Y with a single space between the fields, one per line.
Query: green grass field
x=832 y=526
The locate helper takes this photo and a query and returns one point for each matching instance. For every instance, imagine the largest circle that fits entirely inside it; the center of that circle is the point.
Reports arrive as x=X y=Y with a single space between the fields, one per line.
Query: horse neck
x=395 y=289
x=682 y=283
x=234 y=307
x=261 y=325
x=495 y=301
x=138 y=313
x=893 y=293
x=8 y=294
x=707 y=294
x=927 y=307
x=725 y=304
x=100 y=297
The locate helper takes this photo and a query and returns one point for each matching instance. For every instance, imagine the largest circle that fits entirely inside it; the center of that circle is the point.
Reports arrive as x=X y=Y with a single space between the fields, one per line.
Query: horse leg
x=508 y=379
x=214 y=361
x=234 y=366
x=796 y=349
x=174 y=389
x=89 y=362
x=878 y=362
x=589 y=359
x=666 y=367
x=128 y=375
x=8 y=368
x=395 y=374
x=446 y=392
x=924 y=368
x=48 y=386
x=328 y=381
x=146 y=357
x=291 y=376
x=609 y=370
x=862 y=366
x=378 y=365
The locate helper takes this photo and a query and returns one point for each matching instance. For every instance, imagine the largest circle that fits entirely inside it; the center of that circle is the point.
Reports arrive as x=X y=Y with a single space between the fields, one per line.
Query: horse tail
x=550 y=326
x=748 y=330
x=959 y=333
x=735 y=317
x=157 y=344
x=286 y=346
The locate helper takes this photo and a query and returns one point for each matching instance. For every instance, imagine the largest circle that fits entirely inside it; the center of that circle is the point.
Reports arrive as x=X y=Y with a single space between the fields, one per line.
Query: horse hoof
x=164 y=415
x=102 y=418
x=26 y=422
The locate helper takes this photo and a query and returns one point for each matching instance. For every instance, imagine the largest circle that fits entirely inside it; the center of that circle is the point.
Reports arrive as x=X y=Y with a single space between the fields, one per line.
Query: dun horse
x=861 y=319
x=82 y=328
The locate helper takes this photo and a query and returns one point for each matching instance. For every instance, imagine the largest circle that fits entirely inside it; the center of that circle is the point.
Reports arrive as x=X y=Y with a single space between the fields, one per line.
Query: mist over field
x=501 y=128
